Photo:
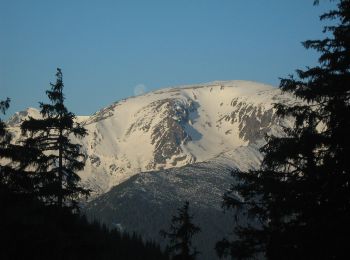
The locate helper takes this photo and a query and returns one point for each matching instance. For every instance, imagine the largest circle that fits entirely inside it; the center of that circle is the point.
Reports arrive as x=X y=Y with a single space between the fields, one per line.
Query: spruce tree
x=60 y=159
x=180 y=234
x=301 y=194
x=5 y=139
x=13 y=180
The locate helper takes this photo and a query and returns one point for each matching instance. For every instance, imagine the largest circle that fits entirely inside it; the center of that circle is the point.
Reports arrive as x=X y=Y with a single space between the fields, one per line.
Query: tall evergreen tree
x=5 y=139
x=59 y=159
x=13 y=181
x=181 y=232
x=301 y=194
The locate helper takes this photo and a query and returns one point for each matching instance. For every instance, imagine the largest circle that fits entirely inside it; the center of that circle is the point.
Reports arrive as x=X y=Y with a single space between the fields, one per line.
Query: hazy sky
x=109 y=50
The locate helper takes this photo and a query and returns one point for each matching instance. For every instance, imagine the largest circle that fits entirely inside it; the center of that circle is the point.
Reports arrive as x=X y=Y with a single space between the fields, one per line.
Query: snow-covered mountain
x=147 y=154
x=172 y=127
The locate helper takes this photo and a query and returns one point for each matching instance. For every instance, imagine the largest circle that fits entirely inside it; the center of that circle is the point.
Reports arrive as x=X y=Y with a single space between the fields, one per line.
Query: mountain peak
x=172 y=127
x=176 y=126
x=19 y=117
x=243 y=86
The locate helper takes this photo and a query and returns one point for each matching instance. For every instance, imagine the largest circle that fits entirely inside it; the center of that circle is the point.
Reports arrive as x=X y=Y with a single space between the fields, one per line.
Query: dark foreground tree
x=60 y=158
x=13 y=180
x=180 y=235
x=5 y=139
x=301 y=194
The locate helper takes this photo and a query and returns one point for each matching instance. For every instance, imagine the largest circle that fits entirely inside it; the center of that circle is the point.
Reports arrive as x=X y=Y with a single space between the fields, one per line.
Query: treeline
x=31 y=230
x=40 y=193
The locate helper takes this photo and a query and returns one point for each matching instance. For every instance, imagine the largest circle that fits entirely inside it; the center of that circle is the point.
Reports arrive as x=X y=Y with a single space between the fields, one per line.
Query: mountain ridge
x=147 y=154
x=172 y=127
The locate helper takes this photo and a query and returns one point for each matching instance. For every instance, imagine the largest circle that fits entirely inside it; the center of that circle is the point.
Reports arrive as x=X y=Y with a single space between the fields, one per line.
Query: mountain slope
x=146 y=202
x=172 y=127
x=175 y=127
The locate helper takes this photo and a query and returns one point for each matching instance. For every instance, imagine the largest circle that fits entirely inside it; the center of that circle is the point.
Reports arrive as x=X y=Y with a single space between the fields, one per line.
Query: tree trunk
x=60 y=172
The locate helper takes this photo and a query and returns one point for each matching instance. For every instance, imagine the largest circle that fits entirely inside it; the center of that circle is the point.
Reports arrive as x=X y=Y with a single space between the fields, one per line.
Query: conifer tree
x=180 y=234
x=301 y=193
x=59 y=159
x=13 y=181
x=5 y=139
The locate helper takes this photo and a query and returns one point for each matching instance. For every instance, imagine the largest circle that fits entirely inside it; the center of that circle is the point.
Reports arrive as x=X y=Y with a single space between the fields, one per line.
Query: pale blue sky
x=107 y=48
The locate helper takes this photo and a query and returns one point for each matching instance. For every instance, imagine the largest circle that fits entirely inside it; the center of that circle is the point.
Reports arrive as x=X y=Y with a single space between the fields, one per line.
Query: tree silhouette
x=13 y=180
x=301 y=194
x=180 y=234
x=59 y=159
